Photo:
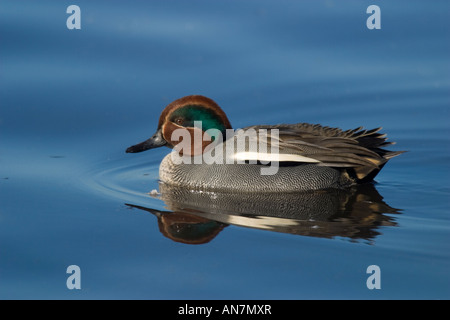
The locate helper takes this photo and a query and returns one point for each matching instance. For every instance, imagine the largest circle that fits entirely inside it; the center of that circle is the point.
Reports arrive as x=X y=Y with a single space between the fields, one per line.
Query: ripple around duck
x=124 y=179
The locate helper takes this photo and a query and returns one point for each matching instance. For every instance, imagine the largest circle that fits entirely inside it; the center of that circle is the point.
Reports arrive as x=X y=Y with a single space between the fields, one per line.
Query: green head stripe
x=191 y=113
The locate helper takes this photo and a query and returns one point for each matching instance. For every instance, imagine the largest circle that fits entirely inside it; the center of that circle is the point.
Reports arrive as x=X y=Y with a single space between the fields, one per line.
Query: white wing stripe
x=262 y=156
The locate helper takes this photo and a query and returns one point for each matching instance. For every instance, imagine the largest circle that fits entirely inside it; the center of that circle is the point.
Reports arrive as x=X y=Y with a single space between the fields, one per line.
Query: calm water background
x=71 y=101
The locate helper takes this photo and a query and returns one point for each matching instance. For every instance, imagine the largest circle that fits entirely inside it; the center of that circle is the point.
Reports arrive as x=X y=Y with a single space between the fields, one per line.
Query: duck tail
x=375 y=142
x=391 y=154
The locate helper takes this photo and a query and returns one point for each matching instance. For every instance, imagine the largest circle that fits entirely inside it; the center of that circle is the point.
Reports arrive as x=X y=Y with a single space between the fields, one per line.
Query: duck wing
x=359 y=149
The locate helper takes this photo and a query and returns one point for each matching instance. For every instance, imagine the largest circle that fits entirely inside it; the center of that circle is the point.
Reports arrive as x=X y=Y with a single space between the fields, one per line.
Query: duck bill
x=154 y=142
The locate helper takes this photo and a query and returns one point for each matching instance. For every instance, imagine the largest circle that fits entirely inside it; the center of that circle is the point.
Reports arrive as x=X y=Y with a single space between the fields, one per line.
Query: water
x=72 y=101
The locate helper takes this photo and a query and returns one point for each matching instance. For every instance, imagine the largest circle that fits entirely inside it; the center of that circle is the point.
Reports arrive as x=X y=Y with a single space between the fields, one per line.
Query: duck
x=209 y=155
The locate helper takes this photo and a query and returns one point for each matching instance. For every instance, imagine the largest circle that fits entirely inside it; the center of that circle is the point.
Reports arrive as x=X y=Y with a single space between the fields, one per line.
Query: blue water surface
x=72 y=101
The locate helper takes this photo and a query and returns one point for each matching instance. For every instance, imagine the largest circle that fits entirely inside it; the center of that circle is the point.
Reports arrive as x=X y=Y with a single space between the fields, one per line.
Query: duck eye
x=179 y=121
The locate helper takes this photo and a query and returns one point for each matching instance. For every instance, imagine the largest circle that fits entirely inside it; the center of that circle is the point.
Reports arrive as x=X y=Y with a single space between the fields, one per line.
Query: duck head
x=193 y=114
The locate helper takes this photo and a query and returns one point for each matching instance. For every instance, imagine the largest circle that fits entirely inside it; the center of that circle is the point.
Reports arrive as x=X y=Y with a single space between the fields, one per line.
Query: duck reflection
x=197 y=217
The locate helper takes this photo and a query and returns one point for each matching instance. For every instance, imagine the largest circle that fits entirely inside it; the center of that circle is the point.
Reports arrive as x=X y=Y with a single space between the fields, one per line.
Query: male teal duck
x=306 y=157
